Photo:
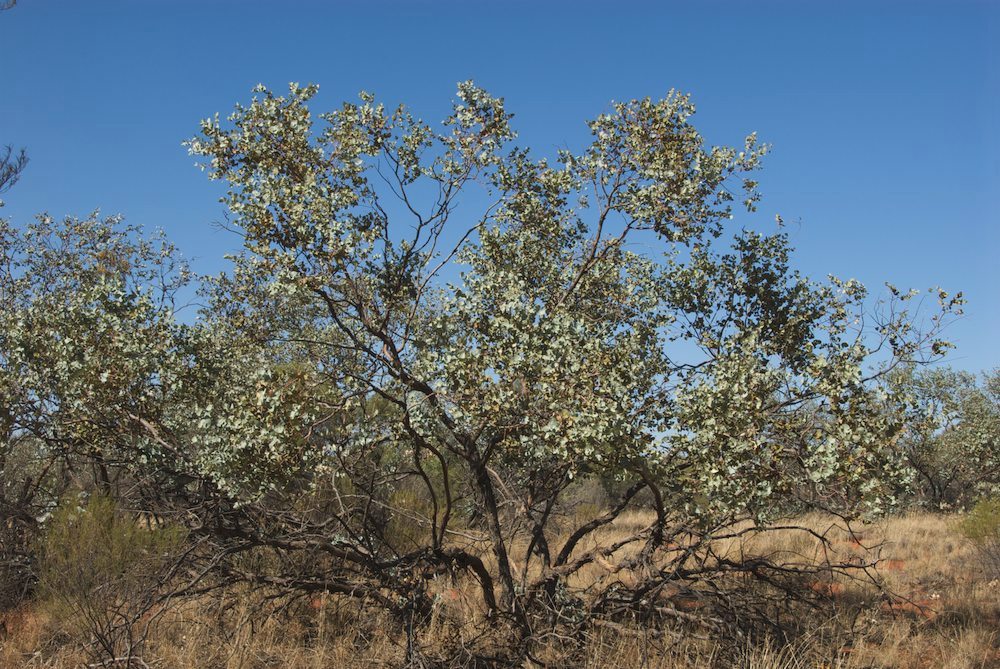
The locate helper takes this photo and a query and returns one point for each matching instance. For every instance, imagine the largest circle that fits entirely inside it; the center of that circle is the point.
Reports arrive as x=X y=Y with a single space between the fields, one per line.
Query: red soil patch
x=920 y=608
x=827 y=588
x=15 y=621
x=688 y=604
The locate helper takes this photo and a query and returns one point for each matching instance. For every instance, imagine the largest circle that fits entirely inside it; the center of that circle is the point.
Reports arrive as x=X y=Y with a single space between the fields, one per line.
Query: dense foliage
x=952 y=441
x=429 y=335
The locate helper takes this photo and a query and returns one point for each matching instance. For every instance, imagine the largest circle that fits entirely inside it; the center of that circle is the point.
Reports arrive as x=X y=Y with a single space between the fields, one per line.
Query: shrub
x=951 y=439
x=29 y=479
x=103 y=574
x=982 y=526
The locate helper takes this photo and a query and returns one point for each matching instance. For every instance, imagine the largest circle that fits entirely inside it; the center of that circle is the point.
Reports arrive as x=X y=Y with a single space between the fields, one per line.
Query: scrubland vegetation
x=459 y=405
x=929 y=601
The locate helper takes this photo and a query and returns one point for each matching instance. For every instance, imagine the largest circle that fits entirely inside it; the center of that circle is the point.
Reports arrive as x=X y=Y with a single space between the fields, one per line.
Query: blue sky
x=884 y=116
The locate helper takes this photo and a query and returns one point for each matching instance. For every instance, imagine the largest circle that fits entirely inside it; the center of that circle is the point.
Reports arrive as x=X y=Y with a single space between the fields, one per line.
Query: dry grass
x=947 y=615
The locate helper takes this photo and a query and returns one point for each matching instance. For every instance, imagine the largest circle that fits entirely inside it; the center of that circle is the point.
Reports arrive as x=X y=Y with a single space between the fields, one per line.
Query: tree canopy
x=433 y=324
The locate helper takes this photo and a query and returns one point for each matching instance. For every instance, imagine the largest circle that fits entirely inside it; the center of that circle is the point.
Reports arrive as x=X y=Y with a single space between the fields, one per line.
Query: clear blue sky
x=884 y=116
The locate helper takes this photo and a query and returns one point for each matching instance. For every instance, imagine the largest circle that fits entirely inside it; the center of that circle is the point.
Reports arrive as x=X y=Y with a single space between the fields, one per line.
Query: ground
x=945 y=613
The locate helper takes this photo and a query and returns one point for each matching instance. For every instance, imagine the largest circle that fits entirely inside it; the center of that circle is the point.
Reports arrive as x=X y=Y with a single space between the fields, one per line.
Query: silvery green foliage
x=430 y=333
x=553 y=339
x=87 y=332
x=952 y=440
x=88 y=354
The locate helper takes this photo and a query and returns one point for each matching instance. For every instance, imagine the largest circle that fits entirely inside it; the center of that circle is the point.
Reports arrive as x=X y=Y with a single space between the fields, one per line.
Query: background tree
x=12 y=164
x=953 y=439
x=86 y=344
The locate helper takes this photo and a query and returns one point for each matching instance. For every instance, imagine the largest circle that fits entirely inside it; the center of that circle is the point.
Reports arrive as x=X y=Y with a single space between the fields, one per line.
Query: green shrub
x=409 y=522
x=103 y=572
x=585 y=498
x=982 y=526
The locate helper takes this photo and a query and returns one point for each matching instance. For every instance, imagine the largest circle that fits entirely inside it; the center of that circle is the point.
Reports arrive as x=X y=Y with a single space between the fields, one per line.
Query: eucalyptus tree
x=430 y=333
x=952 y=441
x=87 y=345
x=590 y=315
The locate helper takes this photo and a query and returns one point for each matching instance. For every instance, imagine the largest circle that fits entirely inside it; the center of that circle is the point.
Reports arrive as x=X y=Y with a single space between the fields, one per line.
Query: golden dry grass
x=947 y=616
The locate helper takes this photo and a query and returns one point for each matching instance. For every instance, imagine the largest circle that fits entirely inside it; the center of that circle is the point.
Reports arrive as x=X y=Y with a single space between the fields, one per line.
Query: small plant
x=982 y=526
x=103 y=574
